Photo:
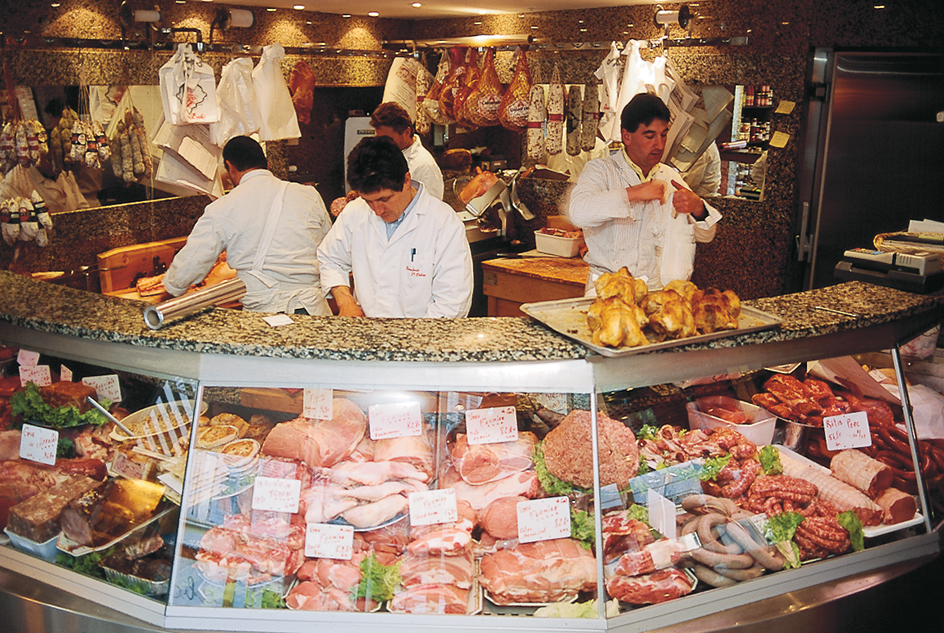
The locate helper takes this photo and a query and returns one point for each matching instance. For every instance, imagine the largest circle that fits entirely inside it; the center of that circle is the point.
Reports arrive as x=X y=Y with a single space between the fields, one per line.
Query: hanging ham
x=481 y=107
x=513 y=111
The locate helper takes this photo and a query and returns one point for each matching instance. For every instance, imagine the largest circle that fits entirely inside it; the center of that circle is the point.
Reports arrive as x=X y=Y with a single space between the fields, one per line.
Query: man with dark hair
x=636 y=211
x=407 y=250
x=390 y=119
x=270 y=230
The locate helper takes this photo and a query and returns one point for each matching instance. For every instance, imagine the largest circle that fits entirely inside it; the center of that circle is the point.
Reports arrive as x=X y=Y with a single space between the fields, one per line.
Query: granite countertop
x=560 y=269
x=50 y=308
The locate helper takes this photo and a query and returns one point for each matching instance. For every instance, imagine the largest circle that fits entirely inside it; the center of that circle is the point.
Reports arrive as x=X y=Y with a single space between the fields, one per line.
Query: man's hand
x=651 y=190
x=687 y=201
x=347 y=306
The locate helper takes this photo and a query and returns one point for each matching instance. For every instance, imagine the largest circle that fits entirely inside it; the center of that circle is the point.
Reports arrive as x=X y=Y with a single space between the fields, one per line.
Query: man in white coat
x=392 y=120
x=407 y=250
x=637 y=212
x=270 y=230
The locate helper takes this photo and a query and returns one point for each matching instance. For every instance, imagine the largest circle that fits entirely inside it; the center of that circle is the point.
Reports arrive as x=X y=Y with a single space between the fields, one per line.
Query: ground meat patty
x=568 y=455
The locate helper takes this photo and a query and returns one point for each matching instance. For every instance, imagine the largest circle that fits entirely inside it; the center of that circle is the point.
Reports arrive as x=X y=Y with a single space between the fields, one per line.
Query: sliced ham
x=524 y=483
x=546 y=571
x=660 y=586
x=319 y=443
x=483 y=463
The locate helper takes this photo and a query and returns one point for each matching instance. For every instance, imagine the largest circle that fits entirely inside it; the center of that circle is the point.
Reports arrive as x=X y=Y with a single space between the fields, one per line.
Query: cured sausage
x=709 y=541
x=711 y=577
x=716 y=559
x=762 y=553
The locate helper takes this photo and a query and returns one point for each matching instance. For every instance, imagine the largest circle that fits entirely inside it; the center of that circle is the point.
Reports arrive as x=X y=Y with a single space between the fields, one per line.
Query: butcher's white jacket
x=423 y=167
x=619 y=233
x=235 y=223
x=423 y=270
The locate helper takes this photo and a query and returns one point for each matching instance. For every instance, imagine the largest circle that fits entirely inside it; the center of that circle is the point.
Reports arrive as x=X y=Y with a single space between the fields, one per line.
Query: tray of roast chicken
x=626 y=318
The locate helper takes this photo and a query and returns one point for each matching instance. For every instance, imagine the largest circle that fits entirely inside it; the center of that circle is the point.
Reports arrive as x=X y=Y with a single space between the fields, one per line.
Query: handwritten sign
x=318 y=404
x=37 y=374
x=323 y=540
x=398 y=419
x=105 y=386
x=849 y=430
x=543 y=519
x=65 y=374
x=433 y=506
x=496 y=424
x=39 y=444
x=661 y=514
x=26 y=358
x=276 y=495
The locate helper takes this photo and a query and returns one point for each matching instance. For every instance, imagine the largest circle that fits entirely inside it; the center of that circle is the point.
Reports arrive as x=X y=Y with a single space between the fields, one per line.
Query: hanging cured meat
x=423 y=81
x=574 y=117
x=591 y=117
x=536 y=116
x=431 y=102
x=481 y=107
x=513 y=111
x=468 y=83
x=301 y=84
x=555 y=114
x=447 y=97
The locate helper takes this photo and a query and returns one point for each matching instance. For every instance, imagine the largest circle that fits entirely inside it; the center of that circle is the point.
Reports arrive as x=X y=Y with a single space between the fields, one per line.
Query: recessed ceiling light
x=271 y=9
x=417 y=5
x=879 y=6
x=346 y=15
x=785 y=23
x=477 y=23
x=299 y=7
x=181 y=1
x=534 y=26
x=55 y=5
x=373 y=14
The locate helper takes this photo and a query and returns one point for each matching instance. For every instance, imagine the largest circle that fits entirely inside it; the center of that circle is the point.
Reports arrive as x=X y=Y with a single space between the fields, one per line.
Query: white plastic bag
x=188 y=89
x=238 y=105
x=279 y=120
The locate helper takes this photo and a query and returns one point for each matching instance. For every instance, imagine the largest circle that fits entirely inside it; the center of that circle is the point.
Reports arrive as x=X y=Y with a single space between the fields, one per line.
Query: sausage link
x=755 y=571
x=716 y=559
x=708 y=540
x=761 y=552
x=711 y=577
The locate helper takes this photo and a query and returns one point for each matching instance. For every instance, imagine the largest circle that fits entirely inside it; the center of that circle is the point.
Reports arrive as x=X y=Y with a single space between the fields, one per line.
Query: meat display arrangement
x=541 y=572
x=319 y=442
x=569 y=457
x=484 y=463
x=37 y=518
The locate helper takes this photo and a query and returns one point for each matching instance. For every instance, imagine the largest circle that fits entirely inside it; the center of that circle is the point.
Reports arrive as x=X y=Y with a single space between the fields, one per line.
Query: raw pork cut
x=524 y=484
x=660 y=586
x=413 y=450
x=444 y=538
x=483 y=463
x=319 y=443
x=438 y=599
x=500 y=517
x=421 y=569
x=371 y=514
x=546 y=571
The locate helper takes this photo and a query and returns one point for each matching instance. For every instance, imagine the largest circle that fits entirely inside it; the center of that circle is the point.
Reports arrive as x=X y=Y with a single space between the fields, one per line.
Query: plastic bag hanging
x=237 y=102
x=279 y=120
x=188 y=89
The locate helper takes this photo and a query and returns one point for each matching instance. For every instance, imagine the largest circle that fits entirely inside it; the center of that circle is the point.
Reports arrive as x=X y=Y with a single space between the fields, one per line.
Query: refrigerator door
x=879 y=153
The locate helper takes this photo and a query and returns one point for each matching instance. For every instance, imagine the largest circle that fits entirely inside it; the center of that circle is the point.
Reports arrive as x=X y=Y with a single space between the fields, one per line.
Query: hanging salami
x=591 y=117
x=536 y=116
x=555 y=114
x=481 y=107
x=574 y=116
x=513 y=111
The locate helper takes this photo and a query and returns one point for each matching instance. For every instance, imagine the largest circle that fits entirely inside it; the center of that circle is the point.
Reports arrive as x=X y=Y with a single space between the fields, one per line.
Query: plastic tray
x=46 y=551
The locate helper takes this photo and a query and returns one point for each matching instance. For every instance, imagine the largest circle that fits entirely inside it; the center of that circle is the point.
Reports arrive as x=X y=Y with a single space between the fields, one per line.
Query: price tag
x=433 y=506
x=105 y=386
x=399 y=419
x=26 y=358
x=661 y=514
x=276 y=495
x=318 y=404
x=38 y=444
x=38 y=374
x=543 y=519
x=496 y=424
x=849 y=430
x=65 y=374
x=323 y=540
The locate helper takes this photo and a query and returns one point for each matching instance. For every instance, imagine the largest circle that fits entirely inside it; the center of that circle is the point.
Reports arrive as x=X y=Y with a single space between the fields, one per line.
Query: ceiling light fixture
x=55 y=5
x=879 y=6
x=373 y=14
x=299 y=7
x=346 y=15
x=417 y=5
x=271 y=9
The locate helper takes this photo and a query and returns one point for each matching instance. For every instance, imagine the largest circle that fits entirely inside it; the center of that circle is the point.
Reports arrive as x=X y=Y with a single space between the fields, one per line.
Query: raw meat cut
x=622 y=534
x=660 y=586
x=375 y=513
x=444 y=538
x=483 y=463
x=350 y=473
x=546 y=571
x=413 y=450
x=438 y=599
x=319 y=443
x=524 y=484
x=569 y=457
x=500 y=517
x=420 y=569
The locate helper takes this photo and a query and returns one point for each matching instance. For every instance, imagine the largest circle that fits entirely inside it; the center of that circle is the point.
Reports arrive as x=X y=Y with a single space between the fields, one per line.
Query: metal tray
x=569 y=317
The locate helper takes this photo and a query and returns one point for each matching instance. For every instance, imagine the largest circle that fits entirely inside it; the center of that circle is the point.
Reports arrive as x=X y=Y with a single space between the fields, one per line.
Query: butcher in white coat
x=392 y=120
x=407 y=251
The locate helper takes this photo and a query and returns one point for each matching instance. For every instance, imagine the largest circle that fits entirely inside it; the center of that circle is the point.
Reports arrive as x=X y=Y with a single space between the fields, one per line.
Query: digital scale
x=920 y=272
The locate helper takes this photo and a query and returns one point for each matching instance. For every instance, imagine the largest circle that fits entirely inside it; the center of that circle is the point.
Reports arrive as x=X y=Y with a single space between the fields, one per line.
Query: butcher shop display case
x=282 y=489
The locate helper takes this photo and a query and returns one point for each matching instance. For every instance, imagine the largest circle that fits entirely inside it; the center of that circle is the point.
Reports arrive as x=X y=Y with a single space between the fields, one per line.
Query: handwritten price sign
x=38 y=444
x=26 y=358
x=487 y=426
x=276 y=495
x=323 y=540
x=433 y=506
x=36 y=374
x=398 y=419
x=105 y=386
x=318 y=404
x=849 y=430
x=543 y=519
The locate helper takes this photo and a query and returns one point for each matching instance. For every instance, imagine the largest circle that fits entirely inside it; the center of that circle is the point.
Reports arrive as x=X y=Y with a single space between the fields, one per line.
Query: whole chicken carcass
x=621 y=284
x=620 y=325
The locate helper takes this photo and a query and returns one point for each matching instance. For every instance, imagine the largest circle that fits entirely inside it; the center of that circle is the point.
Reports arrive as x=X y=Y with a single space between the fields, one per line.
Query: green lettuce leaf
x=770 y=460
x=29 y=406
x=853 y=524
x=378 y=582
x=582 y=528
x=713 y=466
x=553 y=486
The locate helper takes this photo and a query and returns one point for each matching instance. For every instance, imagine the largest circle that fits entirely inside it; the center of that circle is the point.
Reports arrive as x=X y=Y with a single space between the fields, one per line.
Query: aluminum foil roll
x=230 y=290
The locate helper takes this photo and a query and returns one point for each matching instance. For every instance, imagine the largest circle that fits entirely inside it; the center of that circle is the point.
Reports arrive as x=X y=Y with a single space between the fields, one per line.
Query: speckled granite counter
x=50 y=308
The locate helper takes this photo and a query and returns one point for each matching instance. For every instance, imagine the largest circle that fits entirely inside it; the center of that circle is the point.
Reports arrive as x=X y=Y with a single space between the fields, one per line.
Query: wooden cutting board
x=118 y=267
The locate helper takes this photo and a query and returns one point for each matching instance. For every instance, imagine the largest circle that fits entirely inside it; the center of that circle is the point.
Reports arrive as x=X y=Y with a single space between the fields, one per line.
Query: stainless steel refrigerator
x=873 y=152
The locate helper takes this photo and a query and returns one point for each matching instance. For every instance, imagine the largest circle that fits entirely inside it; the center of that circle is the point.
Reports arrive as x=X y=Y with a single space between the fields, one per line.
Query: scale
x=920 y=272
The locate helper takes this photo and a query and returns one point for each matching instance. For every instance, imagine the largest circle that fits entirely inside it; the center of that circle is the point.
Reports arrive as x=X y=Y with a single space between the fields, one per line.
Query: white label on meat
x=397 y=419
x=65 y=374
x=38 y=444
x=849 y=430
x=323 y=540
x=318 y=404
x=105 y=386
x=433 y=506
x=276 y=495
x=543 y=519
x=26 y=358
x=37 y=374
x=495 y=424
x=661 y=514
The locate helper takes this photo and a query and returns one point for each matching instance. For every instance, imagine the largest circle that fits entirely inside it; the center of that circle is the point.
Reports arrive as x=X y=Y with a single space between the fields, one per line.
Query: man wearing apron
x=270 y=230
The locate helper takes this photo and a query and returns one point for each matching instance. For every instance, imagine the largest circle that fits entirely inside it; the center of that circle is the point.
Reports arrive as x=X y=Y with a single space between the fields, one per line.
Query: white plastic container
x=46 y=551
x=560 y=246
x=760 y=430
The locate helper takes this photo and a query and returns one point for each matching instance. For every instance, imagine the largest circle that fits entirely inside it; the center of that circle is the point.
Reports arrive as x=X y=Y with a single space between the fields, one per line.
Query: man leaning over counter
x=270 y=230
x=407 y=250
x=637 y=212
x=390 y=119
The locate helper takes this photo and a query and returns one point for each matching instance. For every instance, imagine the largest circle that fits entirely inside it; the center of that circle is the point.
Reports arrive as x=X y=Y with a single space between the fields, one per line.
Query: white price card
x=65 y=374
x=37 y=374
x=105 y=386
x=278 y=320
x=276 y=495
x=397 y=419
x=849 y=430
x=433 y=506
x=39 y=444
x=26 y=358
x=661 y=514
x=324 y=540
x=487 y=426
x=318 y=404
x=543 y=519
